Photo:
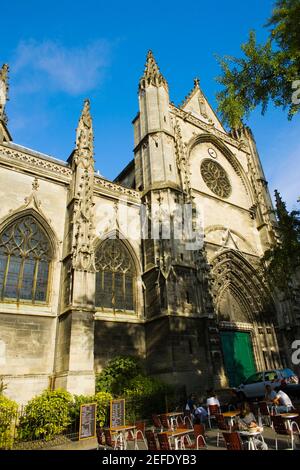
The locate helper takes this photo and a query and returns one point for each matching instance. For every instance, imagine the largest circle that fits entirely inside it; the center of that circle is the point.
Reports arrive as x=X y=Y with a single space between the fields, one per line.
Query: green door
x=238 y=356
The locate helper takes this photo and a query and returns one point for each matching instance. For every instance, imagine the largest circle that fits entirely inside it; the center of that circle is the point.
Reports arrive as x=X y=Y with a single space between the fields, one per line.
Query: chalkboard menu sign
x=117 y=413
x=87 y=424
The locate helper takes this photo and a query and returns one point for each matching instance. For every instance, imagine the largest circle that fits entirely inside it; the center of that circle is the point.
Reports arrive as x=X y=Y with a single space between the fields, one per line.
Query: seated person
x=282 y=401
x=270 y=394
x=200 y=415
x=191 y=403
x=247 y=421
x=212 y=398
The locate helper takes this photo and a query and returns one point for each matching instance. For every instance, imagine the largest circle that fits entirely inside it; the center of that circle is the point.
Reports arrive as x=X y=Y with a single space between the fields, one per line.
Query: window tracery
x=25 y=255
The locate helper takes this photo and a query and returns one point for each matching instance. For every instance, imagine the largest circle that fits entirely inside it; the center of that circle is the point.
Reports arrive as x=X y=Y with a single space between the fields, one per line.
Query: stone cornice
x=34 y=163
x=114 y=189
x=210 y=128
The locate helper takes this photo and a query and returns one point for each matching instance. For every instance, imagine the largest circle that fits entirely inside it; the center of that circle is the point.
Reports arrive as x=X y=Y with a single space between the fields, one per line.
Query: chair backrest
x=199 y=433
x=232 y=441
x=199 y=429
x=140 y=426
x=263 y=408
x=165 y=421
x=187 y=422
x=213 y=410
x=108 y=438
x=151 y=441
x=163 y=441
x=100 y=436
x=221 y=423
x=156 y=421
x=279 y=425
x=179 y=421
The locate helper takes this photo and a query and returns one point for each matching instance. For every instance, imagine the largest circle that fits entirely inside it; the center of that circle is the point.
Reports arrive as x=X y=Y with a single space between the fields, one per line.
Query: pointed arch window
x=25 y=256
x=115 y=278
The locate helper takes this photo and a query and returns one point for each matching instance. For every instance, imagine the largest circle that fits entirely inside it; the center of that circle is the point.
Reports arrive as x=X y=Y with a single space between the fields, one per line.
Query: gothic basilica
x=82 y=280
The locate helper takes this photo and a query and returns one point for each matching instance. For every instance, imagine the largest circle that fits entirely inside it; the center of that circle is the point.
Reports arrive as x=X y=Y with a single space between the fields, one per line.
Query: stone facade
x=150 y=294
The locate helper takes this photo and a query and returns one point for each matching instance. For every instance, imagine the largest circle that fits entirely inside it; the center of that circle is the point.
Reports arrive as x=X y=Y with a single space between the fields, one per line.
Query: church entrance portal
x=238 y=356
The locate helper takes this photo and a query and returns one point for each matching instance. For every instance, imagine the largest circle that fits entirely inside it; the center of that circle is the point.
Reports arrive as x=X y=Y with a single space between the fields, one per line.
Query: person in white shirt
x=282 y=401
x=212 y=399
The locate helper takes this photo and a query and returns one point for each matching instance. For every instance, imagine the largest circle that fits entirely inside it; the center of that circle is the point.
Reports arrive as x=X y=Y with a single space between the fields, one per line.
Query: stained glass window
x=25 y=255
x=115 y=278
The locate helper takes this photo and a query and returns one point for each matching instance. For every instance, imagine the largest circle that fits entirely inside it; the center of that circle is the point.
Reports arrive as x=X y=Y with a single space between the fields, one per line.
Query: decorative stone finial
x=84 y=137
x=196 y=82
x=152 y=74
x=3 y=91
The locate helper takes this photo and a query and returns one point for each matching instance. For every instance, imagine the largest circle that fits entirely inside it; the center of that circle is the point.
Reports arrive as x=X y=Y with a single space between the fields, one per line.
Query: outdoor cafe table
x=289 y=416
x=178 y=433
x=121 y=431
x=251 y=435
x=172 y=415
x=230 y=415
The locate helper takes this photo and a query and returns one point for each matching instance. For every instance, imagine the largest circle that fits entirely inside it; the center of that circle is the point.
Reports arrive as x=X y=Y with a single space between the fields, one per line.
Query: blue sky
x=62 y=52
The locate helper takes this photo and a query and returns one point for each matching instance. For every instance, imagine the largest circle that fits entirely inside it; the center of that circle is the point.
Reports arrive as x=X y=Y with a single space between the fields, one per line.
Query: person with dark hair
x=282 y=401
x=191 y=403
x=270 y=394
x=247 y=422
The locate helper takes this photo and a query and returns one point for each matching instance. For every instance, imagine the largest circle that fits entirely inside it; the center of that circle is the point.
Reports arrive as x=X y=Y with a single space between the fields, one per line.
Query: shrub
x=103 y=402
x=101 y=398
x=116 y=376
x=8 y=411
x=144 y=397
x=46 y=415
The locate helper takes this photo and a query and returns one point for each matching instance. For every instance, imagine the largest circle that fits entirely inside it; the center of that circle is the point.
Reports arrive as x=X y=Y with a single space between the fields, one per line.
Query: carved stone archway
x=242 y=302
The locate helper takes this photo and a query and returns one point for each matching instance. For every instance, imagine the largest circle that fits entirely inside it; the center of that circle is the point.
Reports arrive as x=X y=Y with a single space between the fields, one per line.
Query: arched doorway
x=245 y=317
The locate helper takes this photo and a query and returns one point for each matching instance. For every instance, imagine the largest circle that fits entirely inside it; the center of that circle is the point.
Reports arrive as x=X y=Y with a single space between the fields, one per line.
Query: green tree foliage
x=283 y=260
x=8 y=410
x=267 y=71
x=46 y=415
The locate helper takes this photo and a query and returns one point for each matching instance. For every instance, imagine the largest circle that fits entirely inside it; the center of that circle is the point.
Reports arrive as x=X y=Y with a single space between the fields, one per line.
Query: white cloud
x=73 y=70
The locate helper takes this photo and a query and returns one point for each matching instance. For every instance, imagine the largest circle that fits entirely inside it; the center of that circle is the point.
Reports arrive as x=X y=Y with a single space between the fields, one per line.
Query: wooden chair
x=200 y=442
x=165 y=422
x=281 y=430
x=264 y=415
x=139 y=434
x=212 y=410
x=100 y=438
x=179 y=422
x=187 y=422
x=157 y=423
x=112 y=440
x=163 y=440
x=222 y=426
x=151 y=441
x=233 y=441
